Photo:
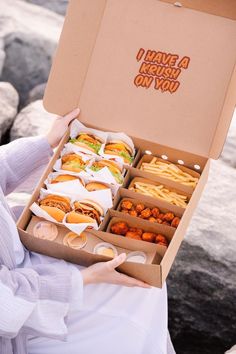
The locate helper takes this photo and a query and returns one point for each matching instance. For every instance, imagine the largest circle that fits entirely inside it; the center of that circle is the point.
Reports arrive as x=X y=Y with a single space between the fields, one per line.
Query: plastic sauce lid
x=45 y=230
x=74 y=240
x=136 y=257
x=105 y=249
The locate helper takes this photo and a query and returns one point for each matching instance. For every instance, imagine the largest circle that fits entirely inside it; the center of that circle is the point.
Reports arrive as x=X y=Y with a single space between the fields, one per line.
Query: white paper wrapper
x=104 y=175
x=63 y=186
x=77 y=228
x=113 y=187
x=57 y=167
x=114 y=137
x=71 y=148
x=77 y=127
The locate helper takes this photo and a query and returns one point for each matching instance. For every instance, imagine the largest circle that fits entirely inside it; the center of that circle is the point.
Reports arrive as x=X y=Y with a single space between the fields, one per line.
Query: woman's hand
x=60 y=126
x=105 y=272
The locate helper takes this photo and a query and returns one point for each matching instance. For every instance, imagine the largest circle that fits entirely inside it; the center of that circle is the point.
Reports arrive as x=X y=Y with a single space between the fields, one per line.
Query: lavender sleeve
x=20 y=158
x=34 y=301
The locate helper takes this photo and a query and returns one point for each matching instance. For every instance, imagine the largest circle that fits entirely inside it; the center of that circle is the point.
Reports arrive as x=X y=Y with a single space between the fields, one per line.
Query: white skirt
x=114 y=320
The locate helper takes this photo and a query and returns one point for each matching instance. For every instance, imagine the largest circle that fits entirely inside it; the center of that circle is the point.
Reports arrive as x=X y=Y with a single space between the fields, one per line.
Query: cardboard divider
x=150 y=175
x=137 y=158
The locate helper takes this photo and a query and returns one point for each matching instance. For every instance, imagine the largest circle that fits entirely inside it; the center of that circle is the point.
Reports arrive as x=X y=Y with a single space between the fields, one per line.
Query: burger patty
x=88 y=211
x=52 y=203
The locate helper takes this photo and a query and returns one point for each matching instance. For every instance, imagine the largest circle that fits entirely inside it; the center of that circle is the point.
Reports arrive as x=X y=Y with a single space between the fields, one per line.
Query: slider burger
x=114 y=168
x=73 y=162
x=66 y=178
x=86 y=211
x=56 y=206
x=95 y=186
x=121 y=149
x=88 y=141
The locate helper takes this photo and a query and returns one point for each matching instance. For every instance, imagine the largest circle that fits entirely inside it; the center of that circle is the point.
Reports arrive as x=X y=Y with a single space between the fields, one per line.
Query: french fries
x=160 y=192
x=169 y=171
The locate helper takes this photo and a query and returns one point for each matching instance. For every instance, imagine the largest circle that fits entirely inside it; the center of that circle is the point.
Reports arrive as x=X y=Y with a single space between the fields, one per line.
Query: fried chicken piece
x=152 y=219
x=169 y=216
x=137 y=230
x=161 y=216
x=160 y=239
x=159 y=221
x=165 y=223
x=126 y=205
x=149 y=236
x=139 y=207
x=155 y=212
x=133 y=213
x=134 y=235
x=146 y=213
x=119 y=228
x=175 y=222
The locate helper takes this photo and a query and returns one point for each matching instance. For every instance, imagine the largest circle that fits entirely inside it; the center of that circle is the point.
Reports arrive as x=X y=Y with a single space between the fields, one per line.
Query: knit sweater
x=34 y=299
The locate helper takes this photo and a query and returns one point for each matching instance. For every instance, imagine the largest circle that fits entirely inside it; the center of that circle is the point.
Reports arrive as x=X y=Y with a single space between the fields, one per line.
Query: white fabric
x=113 y=319
x=20 y=307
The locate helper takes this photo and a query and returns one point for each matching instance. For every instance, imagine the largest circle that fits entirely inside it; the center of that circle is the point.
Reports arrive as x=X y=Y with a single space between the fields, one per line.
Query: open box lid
x=156 y=71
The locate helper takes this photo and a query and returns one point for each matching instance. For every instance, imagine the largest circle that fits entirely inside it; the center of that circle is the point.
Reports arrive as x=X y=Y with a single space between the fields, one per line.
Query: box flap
x=156 y=71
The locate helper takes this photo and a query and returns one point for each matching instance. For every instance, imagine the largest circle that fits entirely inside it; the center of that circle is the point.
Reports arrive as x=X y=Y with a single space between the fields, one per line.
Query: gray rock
x=9 y=100
x=33 y=120
x=58 y=6
x=229 y=152
x=202 y=282
x=27 y=62
x=2 y=56
x=36 y=93
x=29 y=44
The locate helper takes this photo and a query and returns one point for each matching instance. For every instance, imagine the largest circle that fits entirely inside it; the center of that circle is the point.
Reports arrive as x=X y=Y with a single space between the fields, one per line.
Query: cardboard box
x=163 y=74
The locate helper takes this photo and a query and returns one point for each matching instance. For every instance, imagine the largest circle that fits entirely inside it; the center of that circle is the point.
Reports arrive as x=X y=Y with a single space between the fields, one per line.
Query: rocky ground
x=202 y=282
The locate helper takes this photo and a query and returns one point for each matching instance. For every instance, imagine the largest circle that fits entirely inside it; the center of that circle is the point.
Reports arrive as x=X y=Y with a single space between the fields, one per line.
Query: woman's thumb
x=117 y=261
x=72 y=115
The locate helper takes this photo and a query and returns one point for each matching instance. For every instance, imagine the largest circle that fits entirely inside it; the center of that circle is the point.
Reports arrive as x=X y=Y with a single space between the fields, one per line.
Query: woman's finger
x=72 y=115
x=129 y=281
x=116 y=261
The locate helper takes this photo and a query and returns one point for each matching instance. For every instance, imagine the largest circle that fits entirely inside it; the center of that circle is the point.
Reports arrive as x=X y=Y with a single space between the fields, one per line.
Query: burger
x=56 y=206
x=113 y=167
x=95 y=186
x=86 y=211
x=73 y=162
x=121 y=149
x=66 y=178
x=88 y=141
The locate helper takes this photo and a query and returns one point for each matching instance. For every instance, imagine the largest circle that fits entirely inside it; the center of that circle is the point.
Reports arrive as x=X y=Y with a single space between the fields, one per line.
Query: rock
x=202 y=282
x=33 y=120
x=2 y=56
x=28 y=44
x=9 y=100
x=27 y=62
x=229 y=152
x=58 y=6
x=36 y=93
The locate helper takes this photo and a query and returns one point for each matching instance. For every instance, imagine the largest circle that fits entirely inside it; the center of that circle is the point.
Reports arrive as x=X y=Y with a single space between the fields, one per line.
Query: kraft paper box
x=164 y=74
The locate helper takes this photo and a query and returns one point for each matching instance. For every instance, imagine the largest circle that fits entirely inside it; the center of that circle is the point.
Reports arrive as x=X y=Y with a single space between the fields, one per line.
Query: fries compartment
x=180 y=198
x=147 y=165
x=152 y=212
